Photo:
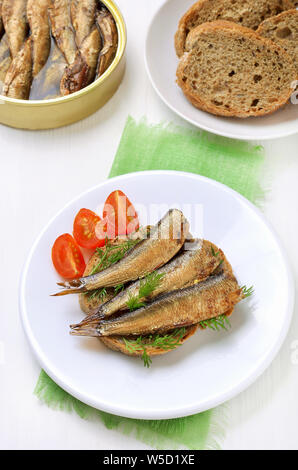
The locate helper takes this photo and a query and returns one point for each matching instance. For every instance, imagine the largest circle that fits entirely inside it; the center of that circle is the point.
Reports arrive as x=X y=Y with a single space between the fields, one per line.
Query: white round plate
x=161 y=63
x=212 y=366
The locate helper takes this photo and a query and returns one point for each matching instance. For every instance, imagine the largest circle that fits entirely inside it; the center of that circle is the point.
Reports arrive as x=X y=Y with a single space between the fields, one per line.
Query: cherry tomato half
x=119 y=216
x=84 y=229
x=67 y=257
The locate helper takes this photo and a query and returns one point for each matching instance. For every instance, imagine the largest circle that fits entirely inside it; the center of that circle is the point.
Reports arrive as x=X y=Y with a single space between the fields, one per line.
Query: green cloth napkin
x=168 y=147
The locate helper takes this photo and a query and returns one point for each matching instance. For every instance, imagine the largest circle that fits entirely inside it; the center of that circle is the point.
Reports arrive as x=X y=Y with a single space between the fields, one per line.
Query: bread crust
x=232 y=31
x=250 y=14
x=286 y=39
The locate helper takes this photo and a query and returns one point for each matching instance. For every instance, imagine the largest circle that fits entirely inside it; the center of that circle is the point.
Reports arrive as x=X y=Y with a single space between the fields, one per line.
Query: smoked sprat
x=81 y=35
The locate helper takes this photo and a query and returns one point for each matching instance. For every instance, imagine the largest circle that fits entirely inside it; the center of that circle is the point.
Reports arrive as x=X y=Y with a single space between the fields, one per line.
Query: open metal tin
x=58 y=112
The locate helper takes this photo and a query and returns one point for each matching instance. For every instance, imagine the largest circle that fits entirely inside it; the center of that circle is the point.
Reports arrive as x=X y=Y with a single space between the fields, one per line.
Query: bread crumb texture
x=283 y=30
x=232 y=71
x=249 y=13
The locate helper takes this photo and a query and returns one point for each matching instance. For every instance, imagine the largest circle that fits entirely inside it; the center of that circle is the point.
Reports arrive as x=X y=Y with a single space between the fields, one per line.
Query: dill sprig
x=216 y=323
x=247 y=291
x=137 y=345
x=147 y=286
x=164 y=342
x=214 y=253
x=169 y=341
x=97 y=293
x=111 y=254
x=134 y=303
x=118 y=288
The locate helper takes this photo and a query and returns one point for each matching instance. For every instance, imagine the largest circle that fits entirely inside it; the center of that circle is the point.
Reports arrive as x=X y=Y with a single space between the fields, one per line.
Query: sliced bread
x=232 y=71
x=249 y=13
x=283 y=29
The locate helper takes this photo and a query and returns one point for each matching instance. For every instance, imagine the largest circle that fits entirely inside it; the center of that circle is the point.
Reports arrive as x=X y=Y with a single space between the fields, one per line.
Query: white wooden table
x=42 y=171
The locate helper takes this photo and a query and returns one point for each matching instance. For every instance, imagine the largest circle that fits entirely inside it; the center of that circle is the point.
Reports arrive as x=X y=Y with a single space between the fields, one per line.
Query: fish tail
x=90 y=328
x=71 y=287
x=68 y=291
x=90 y=318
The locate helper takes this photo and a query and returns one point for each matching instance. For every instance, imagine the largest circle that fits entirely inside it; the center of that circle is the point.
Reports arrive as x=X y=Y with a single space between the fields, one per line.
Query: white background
x=40 y=172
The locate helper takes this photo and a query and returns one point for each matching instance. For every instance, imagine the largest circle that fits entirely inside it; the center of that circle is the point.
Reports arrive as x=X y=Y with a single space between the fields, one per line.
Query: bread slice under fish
x=232 y=71
x=249 y=13
x=283 y=30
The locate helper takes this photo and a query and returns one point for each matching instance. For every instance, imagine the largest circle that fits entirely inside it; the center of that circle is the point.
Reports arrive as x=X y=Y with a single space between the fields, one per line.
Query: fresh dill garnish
x=146 y=359
x=97 y=293
x=111 y=254
x=147 y=286
x=134 y=303
x=164 y=342
x=213 y=251
x=216 y=253
x=216 y=323
x=169 y=341
x=247 y=291
x=136 y=345
x=118 y=288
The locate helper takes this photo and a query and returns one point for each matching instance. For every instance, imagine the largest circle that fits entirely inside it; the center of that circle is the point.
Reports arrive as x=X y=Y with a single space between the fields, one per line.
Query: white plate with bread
x=228 y=66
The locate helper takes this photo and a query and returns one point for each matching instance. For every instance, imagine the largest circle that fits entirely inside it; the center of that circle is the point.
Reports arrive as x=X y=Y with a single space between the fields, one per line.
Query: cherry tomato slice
x=120 y=217
x=84 y=229
x=67 y=257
